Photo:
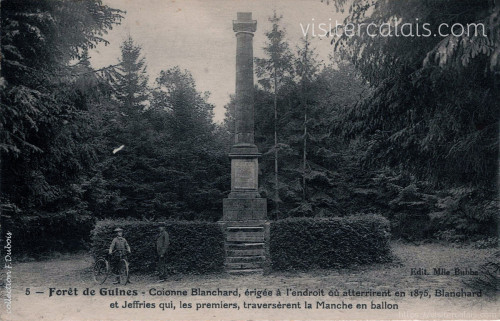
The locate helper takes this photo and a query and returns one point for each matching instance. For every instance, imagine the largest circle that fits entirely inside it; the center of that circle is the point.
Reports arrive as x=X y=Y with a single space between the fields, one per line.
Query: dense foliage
x=308 y=109
x=47 y=141
x=408 y=128
x=195 y=247
x=434 y=109
x=305 y=243
x=169 y=158
x=100 y=142
x=38 y=235
x=432 y=115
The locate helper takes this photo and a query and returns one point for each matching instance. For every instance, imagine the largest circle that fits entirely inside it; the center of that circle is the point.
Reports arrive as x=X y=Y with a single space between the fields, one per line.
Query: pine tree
x=190 y=113
x=194 y=155
x=131 y=81
x=306 y=68
x=272 y=72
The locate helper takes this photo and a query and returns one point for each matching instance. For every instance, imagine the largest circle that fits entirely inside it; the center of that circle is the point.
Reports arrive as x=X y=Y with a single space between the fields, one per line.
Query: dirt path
x=74 y=272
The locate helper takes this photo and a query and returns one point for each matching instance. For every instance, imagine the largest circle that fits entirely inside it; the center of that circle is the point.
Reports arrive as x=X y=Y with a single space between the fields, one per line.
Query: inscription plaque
x=244 y=174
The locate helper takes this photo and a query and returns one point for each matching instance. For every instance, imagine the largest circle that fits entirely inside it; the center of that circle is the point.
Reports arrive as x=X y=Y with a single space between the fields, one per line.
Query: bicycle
x=102 y=269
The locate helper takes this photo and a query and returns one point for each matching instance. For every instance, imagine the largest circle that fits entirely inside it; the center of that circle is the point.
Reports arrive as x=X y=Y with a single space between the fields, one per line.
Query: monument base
x=247 y=235
x=244 y=209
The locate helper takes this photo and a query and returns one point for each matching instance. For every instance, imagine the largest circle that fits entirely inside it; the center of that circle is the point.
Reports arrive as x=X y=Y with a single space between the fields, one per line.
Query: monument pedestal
x=244 y=214
x=244 y=202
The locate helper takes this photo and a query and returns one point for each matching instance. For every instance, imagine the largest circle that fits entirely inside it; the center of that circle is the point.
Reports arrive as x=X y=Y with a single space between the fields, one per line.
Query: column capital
x=244 y=23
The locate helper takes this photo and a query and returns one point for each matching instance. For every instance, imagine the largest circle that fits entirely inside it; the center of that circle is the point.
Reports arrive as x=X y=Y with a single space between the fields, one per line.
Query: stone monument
x=244 y=202
x=244 y=211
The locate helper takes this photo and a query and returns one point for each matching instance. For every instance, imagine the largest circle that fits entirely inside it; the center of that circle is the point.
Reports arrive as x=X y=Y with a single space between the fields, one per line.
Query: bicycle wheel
x=101 y=270
x=123 y=271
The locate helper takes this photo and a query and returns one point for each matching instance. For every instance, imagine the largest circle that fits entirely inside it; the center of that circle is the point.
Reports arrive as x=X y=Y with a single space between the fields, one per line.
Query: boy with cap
x=118 y=249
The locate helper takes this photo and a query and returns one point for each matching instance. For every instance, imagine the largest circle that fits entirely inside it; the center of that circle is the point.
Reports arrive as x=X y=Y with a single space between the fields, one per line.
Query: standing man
x=119 y=248
x=162 y=243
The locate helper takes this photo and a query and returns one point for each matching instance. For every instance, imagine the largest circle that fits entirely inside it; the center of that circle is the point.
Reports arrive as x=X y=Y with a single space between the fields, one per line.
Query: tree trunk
x=304 y=103
x=304 y=155
x=276 y=186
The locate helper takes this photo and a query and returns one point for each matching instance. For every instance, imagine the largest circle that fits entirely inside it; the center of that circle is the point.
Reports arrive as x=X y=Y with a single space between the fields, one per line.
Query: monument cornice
x=244 y=26
x=248 y=155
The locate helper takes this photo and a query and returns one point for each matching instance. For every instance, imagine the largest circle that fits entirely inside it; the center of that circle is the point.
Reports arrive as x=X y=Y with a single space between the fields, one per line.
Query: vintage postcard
x=249 y=160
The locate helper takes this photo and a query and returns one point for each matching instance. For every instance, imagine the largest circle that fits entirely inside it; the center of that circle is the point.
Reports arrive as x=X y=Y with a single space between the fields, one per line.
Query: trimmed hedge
x=35 y=235
x=306 y=243
x=195 y=247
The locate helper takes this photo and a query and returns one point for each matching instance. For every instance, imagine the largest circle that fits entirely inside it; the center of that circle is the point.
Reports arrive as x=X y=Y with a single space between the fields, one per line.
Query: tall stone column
x=244 y=127
x=244 y=202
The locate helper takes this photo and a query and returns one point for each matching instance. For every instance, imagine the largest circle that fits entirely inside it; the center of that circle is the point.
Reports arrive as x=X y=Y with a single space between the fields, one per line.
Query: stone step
x=244 y=259
x=247 y=237
x=249 y=223
x=246 y=245
x=245 y=252
x=245 y=229
x=245 y=271
x=243 y=265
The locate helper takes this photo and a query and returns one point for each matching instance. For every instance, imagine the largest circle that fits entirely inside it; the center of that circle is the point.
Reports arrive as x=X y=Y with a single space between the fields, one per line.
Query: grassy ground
x=74 y=271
